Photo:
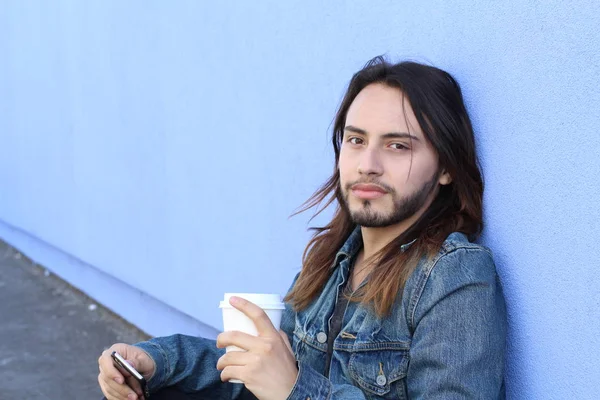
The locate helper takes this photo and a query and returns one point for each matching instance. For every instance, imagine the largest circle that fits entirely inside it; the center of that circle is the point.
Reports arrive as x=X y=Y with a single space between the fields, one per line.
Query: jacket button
x=321 y=337
x=381 y=381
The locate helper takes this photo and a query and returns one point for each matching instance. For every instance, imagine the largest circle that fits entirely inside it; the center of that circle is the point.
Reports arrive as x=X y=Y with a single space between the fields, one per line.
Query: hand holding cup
x=265 y=364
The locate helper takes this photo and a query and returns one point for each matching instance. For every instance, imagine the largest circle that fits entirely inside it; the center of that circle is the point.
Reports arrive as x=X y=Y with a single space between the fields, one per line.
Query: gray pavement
x=51 y=334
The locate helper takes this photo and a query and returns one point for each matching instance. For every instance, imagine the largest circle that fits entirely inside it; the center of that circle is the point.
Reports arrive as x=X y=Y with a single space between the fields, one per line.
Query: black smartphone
x=135 y=380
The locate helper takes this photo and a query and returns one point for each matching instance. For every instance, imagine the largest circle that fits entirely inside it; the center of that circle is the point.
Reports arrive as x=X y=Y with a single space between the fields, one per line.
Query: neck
x=375 y=239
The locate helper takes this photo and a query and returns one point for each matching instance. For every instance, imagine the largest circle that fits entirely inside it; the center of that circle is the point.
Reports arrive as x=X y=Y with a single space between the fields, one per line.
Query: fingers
x=108 y=368
x=115 y=391
x=239 y=339
x=255 y=313
x=111 y=380
x=239 y=358
x=232 y=372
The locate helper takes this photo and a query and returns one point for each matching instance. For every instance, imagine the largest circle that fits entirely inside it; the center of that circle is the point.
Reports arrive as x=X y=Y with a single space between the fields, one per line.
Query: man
x=394 y=301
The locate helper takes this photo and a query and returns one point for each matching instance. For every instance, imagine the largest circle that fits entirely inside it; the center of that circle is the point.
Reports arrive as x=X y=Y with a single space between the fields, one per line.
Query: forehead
x=380 y=109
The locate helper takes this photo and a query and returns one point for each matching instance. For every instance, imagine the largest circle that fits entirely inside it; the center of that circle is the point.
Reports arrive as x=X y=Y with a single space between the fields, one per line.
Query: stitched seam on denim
x=392 y=376
x=352 y=348
x=427 y=273
x=306 y=339
x=450 y=246
x=414 y=299
x=422 y=284
x=165 y=361
x=366 y=385
x=154 y=362
x=314 y=346
x=299 y=335
x=399 y=346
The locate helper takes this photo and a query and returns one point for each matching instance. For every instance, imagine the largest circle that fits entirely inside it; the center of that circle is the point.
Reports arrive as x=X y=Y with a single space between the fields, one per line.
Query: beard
x=402 y=207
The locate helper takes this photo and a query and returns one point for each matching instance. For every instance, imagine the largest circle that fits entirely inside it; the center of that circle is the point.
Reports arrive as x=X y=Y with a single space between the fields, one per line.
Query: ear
x=445 y=178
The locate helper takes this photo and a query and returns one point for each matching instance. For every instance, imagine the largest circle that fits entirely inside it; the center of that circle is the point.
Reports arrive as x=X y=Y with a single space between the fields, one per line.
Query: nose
x=369 y=163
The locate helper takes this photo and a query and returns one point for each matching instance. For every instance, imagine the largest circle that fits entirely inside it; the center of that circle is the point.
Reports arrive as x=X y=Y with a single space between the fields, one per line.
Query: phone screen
x=133 y=378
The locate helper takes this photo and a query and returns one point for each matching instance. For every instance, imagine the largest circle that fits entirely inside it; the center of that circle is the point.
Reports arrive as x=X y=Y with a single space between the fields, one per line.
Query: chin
x=379 y=211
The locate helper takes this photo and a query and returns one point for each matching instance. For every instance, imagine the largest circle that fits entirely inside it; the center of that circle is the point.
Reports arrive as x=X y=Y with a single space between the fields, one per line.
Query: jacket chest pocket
x=380 y=370
x=309 y=352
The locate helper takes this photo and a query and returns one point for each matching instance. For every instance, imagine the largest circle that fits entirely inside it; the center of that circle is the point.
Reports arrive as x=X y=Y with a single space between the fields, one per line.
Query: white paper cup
x=235 y=320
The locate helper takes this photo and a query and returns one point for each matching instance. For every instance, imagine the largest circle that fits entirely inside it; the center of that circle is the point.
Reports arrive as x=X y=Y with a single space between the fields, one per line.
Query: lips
x=367 y=191
x=365 y=187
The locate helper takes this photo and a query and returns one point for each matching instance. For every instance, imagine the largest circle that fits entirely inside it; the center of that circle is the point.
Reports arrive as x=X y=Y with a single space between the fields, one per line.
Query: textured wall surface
x=164 y=145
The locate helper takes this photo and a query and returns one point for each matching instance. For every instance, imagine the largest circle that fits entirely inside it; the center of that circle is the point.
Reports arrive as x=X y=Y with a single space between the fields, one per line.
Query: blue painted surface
x=163 y=146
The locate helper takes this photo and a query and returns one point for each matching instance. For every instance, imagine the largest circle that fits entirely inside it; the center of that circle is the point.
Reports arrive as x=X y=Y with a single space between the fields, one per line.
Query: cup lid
x=271 y=301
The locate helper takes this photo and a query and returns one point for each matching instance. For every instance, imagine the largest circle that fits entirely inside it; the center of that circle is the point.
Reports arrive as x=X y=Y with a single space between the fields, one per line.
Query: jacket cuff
x=310 y=385
x=157 y=354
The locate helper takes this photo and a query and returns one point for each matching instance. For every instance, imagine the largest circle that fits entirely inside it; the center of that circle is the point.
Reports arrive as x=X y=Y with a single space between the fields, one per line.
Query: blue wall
x=151 y=152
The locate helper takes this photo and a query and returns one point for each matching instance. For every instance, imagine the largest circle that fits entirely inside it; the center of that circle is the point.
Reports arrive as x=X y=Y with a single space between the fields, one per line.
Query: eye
x=398 y=146
x=354 y=140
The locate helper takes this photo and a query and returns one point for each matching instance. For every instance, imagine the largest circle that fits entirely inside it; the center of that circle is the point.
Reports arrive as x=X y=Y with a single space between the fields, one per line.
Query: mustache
x=387 y=188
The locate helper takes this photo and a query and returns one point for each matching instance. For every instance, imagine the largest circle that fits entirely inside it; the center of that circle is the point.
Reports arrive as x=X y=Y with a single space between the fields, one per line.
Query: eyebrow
x=390 y=135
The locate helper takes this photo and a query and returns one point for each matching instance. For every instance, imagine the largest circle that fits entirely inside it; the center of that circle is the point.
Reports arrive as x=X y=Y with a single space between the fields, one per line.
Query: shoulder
x=460 y=260
x=458 y=264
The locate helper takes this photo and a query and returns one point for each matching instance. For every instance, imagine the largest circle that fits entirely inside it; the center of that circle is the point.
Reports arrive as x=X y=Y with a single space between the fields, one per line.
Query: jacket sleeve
x=189 y=363
x=459 y=330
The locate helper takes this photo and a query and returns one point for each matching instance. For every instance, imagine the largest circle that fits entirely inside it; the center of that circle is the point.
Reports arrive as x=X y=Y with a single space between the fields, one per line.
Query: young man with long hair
x=394 y=299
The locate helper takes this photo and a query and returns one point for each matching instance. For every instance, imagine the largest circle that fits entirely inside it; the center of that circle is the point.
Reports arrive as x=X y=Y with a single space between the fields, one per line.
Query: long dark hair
x=438 y=105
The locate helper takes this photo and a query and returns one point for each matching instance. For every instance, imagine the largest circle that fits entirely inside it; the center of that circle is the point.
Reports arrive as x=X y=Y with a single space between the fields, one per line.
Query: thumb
x=138 y=359
x=136 y=388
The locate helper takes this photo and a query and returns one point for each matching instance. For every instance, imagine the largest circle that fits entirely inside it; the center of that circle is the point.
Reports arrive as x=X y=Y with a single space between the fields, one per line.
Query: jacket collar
x=354 y=243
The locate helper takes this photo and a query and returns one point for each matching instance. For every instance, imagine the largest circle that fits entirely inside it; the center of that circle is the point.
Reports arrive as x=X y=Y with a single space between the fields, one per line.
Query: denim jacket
x=444 y=339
